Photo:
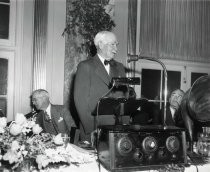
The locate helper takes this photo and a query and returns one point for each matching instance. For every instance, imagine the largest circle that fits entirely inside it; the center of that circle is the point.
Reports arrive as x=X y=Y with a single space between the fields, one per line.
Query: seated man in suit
x=173 y=113
x=53 y=119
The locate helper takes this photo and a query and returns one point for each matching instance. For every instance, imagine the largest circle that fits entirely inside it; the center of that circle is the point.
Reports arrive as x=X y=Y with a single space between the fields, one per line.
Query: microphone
x=133 y=58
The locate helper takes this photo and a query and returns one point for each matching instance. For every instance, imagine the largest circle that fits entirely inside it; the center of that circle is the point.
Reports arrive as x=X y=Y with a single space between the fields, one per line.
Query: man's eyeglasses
x=112 y=44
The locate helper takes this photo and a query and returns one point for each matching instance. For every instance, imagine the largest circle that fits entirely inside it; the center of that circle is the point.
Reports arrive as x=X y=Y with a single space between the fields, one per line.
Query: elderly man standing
x=93 y=81
x=53 y=119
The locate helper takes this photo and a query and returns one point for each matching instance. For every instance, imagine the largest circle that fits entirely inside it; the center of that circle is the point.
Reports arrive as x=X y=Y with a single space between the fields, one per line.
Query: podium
x=119 y=107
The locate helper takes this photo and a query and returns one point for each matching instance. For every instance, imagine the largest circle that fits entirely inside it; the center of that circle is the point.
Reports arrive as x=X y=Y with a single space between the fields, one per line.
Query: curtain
x=172 y=29
x=132 y=24
x=132 y=34
x=40 y=43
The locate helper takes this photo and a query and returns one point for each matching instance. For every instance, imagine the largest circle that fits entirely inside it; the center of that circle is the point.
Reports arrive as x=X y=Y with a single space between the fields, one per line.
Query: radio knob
x=152 y=144
x=149 y=144
x=138 y=156
x=150 y=157
x=162 y=154
x=174 y=156
x=124 y=146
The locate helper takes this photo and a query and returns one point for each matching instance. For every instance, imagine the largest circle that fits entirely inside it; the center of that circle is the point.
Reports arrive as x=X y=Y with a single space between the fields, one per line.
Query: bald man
x=93 y=81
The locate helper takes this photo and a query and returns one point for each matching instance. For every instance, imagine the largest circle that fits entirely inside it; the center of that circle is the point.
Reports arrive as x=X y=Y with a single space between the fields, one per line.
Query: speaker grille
x=172 y=144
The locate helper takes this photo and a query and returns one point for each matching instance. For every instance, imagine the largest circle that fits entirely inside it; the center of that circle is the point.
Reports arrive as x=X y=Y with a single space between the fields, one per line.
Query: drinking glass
x=65 y=138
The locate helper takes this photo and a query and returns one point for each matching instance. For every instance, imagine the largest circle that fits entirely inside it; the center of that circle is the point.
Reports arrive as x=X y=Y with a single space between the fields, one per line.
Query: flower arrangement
x=13 y=142
x=22 y=141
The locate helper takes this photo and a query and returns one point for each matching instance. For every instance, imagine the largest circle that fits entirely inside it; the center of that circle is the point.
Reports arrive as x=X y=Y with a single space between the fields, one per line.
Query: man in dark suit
x=93 y=81
x=53 y=119
x=173 y=111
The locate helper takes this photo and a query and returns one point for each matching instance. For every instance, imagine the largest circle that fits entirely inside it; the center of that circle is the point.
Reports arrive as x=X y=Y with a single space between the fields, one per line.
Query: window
x=180 y=75
x=151 y=83
x=195 y=76
x=6 y=83
x=196 y=72
x=7 y=22
x=4 y=19
x=152 y=88
x=7 y=54
x=3 y=85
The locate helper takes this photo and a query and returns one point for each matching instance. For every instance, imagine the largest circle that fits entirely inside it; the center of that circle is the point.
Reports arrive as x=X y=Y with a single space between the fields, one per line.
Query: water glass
x=65 y=138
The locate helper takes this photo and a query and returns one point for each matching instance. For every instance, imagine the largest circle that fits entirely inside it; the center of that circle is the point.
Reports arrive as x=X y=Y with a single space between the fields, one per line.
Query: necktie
x=110 y=62
x=47 y=117
x=111 y=66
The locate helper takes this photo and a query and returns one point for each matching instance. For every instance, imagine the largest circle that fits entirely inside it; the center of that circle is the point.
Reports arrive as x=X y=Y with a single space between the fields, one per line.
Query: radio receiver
x=135 y=147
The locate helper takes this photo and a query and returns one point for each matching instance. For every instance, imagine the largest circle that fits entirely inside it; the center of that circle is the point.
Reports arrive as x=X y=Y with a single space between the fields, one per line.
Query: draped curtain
x=40 y=43
x=132 y=23
x=173 y=29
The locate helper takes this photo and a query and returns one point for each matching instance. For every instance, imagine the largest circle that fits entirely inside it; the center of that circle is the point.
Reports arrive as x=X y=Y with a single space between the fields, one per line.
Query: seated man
x=173 y=114
x=53 y=119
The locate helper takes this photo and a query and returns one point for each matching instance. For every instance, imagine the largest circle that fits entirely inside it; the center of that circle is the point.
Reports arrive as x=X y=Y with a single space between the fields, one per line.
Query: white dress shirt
x=172 y=112
x=107 y=67
x=48 y=110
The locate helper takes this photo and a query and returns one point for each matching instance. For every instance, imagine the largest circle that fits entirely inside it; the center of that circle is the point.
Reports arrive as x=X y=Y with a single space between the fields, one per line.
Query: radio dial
x=172 y=144
x=124 y=146
x=149 y=144
x=138 y=156
x=162 y=154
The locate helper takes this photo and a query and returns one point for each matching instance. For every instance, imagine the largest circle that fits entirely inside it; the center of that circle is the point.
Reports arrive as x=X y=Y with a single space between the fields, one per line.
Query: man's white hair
x=41 y=92
x=101 y=36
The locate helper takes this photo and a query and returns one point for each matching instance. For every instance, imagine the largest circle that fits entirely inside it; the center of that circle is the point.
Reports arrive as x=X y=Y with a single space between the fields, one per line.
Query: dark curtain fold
x=172 y=29
x=40 y=43
x=150 y=27
x=132 y=26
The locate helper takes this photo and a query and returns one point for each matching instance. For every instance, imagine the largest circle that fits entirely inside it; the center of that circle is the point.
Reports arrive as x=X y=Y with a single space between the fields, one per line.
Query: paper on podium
x=110 y=106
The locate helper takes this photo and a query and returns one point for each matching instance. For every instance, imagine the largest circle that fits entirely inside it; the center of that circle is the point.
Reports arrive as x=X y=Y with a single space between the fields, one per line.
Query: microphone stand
x=165 y=78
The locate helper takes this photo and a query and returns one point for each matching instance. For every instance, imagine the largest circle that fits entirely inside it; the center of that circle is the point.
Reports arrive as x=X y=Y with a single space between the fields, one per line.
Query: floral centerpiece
x=14 y=141
x=22 y=142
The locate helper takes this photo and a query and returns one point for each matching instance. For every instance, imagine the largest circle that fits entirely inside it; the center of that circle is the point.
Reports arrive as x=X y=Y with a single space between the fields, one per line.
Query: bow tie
x=110 y=62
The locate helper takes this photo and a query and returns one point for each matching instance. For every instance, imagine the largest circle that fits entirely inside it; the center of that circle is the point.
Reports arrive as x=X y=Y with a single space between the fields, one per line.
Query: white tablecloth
x=93 y=166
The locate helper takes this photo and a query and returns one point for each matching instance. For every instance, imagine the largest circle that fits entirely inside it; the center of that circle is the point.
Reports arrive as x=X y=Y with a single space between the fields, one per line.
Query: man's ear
x=100 y=45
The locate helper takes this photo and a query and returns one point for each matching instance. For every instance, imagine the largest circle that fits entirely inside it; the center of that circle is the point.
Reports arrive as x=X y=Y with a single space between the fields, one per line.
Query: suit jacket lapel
x=101 y=71
x=55 y=117
x=114 y=72
x=170 y=118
